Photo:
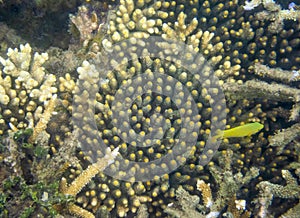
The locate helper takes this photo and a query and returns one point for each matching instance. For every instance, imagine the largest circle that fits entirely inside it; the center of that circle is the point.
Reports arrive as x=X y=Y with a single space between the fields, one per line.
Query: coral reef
x=123 y=115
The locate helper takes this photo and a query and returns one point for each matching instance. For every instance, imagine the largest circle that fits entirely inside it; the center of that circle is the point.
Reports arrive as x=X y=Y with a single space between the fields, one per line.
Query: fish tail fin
x=219 y=135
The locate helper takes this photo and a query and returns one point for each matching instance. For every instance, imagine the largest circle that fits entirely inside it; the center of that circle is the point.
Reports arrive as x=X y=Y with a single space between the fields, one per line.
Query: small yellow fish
x=241 y=131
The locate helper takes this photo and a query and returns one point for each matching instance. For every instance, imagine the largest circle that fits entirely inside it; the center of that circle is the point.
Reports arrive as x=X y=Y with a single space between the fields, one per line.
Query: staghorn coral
x=285 y=92
x=284 y=137
x=188 y=206
x=41 y=126
x=273 y=13
x=276 y=74
x=267 y=191
x=230 y=184
x=83 y=179
x=259 y=89
x=187 y=203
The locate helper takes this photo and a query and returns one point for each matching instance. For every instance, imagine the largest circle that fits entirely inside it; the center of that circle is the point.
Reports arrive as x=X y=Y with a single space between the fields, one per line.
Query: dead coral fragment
x=268 y=4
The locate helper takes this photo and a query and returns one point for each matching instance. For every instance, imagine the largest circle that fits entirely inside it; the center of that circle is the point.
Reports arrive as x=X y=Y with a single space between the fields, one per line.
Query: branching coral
x=86 y=24
x=82 y=180
x=24 y=86
x=259 y=89
x=269 y=190
x=229 y=185
x=285 y=137
x=276 y=74
x=187 y=206
x=273 y=13
x=251 y=89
